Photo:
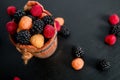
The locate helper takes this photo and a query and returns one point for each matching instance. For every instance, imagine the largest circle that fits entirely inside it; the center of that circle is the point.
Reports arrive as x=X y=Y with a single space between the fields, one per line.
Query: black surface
x=87 y=20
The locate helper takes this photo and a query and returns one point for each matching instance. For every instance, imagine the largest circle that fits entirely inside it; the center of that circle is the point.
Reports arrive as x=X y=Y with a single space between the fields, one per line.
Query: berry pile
x=78 y=62
x=30 y=27
x=34 y=26
x=115 y=30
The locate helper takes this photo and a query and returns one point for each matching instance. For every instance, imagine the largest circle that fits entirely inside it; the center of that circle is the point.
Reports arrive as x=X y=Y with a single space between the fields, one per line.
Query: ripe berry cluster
x=115 y=30
x=27 y=24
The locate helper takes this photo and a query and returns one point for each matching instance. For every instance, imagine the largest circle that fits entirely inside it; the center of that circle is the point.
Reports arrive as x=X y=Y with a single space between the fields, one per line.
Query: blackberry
x=116 y=30
x=64 y=32
x=48 y=20
x=77 y=51
x=18 y=15
x=27 y=12
x=37 y=27
x=103 y=65
x=23 y=37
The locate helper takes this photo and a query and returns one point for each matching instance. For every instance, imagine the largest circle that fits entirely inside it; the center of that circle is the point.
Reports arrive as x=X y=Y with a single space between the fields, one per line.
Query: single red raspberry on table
x=110 y=39
x=16 y=78
x=114 y=19
x=57 y=25
x=49 y=31
x=11 y=10
x=11 y=27
x=36 y=10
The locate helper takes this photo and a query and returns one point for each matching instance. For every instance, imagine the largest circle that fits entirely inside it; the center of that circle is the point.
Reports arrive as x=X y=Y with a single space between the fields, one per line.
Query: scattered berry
x=11 y=10
x=18 y=15
x=23 y=37
x=64 y=32
x=25 y=23
x=114 y=19
x=116 y=30
x=110 y=39
x=16 y=78
x=37 y=27
x=48 y=20
x=77 y=63
x=77 y=51
x=36 y=10
x=11 y=27
x=57 y=25
x=37 y=40
x=49 y=31
x=103 y=65
x=60 y=20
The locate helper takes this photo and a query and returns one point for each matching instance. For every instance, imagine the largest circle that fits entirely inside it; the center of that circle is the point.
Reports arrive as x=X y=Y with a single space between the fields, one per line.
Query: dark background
x=88 y=22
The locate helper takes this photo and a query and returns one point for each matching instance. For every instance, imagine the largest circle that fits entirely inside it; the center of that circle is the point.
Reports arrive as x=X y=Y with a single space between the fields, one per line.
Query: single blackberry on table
x=64 y=32
x=18 y=15
x=77 y=51
x=23 y=37
x=116 y=30
x=37 y=27
x=103 y=65
x=48 y=20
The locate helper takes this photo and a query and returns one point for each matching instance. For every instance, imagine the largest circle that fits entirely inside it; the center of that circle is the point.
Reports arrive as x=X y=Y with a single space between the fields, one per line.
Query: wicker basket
x=28 y=51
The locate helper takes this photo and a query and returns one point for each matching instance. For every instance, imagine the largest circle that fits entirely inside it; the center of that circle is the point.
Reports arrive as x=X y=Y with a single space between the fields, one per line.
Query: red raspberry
x=57 y=26
x=16 y=78
x=11 y=27
x=11 y=10
x=36 y=10
x=49 y=31
x=110 y=39
x=114 y=19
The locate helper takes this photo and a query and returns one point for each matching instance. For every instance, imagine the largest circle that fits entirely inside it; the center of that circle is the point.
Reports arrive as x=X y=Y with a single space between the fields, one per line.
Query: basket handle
x=26 y=56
